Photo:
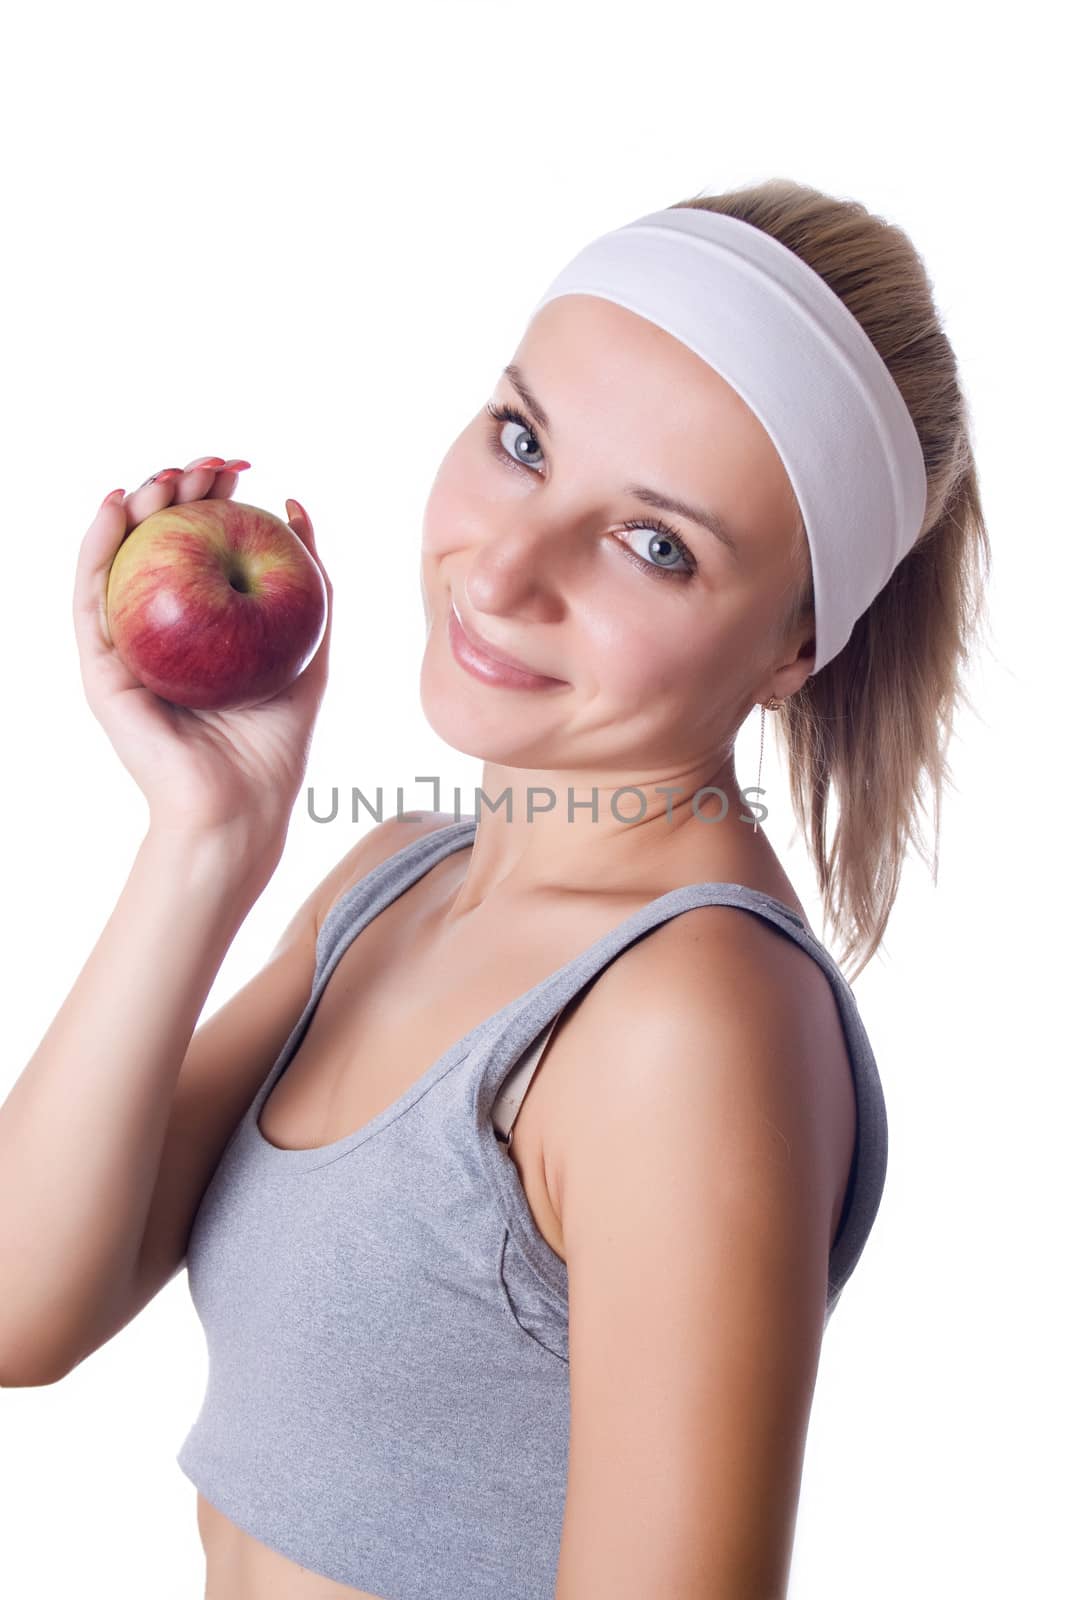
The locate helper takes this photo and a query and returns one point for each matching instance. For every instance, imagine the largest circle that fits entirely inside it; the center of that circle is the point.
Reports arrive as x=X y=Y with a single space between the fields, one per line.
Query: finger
x=102 y=539
x=151 y=495
x=226 y=479
x=199 y=482
x=220 y=463
x=224 y=485
x=314 y=673
x=300 y=523
x=193 y=484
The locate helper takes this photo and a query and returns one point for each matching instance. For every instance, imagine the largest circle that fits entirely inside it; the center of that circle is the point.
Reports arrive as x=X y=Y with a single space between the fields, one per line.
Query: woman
x=543 y=1317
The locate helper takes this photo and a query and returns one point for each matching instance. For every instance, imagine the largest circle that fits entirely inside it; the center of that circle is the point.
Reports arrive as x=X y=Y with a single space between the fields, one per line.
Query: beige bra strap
x=509 y=1099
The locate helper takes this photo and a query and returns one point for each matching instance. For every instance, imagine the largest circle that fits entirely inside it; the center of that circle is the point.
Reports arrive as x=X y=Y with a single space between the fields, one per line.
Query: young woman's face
x=660 y=633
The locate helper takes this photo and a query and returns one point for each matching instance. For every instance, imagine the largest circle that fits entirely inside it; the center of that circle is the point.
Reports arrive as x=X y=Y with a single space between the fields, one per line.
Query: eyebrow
x=649 y=497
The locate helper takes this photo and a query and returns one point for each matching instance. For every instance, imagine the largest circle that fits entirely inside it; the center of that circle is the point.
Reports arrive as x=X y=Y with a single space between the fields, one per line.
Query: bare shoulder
x=383 y=841
x=696 y=1187
x=714 y=1013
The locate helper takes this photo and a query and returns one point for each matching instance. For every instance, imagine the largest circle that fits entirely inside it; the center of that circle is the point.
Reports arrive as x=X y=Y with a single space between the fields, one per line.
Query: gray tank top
x=387 y=1400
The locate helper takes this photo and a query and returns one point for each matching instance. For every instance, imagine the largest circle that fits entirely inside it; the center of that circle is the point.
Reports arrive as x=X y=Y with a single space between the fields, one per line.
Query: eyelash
x=509 y=413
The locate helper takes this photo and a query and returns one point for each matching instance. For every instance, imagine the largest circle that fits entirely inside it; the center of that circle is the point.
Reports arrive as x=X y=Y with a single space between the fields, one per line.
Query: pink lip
x=474 y=654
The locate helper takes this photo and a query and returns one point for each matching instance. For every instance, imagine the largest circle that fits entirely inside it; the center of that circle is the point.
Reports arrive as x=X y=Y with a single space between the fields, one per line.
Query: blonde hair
x=876 y=721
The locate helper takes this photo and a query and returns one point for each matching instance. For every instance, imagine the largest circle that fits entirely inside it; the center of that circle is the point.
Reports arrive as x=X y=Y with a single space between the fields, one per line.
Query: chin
x=479 y=721
x=461 y=724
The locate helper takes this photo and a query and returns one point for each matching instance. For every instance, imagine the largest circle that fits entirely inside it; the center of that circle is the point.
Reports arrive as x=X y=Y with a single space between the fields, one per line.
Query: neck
x=573 y=832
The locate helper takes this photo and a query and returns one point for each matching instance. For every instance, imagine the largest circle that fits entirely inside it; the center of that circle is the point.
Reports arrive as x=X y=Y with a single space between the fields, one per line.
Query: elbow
x=23 y=1373
x=19 y=1378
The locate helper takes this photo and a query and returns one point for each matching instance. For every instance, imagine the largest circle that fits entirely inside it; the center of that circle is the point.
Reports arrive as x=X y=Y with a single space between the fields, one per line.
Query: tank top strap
x=526 y=1025
x=509 y=1100
x=362 y=901
x=511 y=1051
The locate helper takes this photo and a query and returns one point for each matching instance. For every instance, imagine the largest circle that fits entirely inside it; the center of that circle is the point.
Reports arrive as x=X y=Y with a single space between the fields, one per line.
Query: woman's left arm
x=696 y=1193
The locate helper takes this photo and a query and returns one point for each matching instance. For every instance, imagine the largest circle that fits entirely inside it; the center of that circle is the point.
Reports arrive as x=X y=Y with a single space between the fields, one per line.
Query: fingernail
x=233 y=466
x=109 y=497
x=294 y=509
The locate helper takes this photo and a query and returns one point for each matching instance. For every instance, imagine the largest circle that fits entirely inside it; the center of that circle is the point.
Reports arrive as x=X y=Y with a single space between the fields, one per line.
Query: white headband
x=779 y=335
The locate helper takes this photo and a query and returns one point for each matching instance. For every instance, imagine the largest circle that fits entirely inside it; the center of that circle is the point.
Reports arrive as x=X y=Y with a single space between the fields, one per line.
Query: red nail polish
x=110 y=496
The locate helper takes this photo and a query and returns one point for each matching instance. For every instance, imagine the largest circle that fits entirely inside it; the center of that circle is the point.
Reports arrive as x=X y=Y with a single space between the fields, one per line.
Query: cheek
x=633 y=650
x=457 y=490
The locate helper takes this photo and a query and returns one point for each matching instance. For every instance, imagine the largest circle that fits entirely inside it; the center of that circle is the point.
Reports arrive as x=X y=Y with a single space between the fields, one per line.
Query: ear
x=794 y=668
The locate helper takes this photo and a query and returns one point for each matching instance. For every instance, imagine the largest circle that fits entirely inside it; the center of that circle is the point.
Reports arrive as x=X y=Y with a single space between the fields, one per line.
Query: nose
x=528 y=559
x=513 y=585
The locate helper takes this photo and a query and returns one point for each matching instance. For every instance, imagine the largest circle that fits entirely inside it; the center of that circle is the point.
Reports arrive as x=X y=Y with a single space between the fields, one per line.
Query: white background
x=310 y=235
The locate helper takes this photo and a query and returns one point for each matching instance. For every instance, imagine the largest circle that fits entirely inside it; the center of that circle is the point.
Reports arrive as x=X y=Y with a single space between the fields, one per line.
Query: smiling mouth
x=497 y=656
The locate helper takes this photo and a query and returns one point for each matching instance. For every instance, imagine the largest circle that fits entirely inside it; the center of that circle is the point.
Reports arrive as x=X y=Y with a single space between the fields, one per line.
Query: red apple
x=215 y=605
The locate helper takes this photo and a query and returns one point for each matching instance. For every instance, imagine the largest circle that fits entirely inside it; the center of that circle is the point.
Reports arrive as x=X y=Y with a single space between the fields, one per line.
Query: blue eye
x=509 y=414
x=664 y=533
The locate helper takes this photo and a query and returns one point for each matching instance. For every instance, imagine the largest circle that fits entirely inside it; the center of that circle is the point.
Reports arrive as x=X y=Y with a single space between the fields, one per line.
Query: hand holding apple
x=215 y=605
x=237 y=770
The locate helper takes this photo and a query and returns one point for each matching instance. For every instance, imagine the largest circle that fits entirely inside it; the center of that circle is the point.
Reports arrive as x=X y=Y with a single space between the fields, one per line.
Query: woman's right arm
x=112 y=1133
x=82 y=1132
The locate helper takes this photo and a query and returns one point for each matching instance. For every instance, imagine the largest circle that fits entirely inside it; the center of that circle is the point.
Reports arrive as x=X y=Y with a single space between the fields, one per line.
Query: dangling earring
x=773 y=704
